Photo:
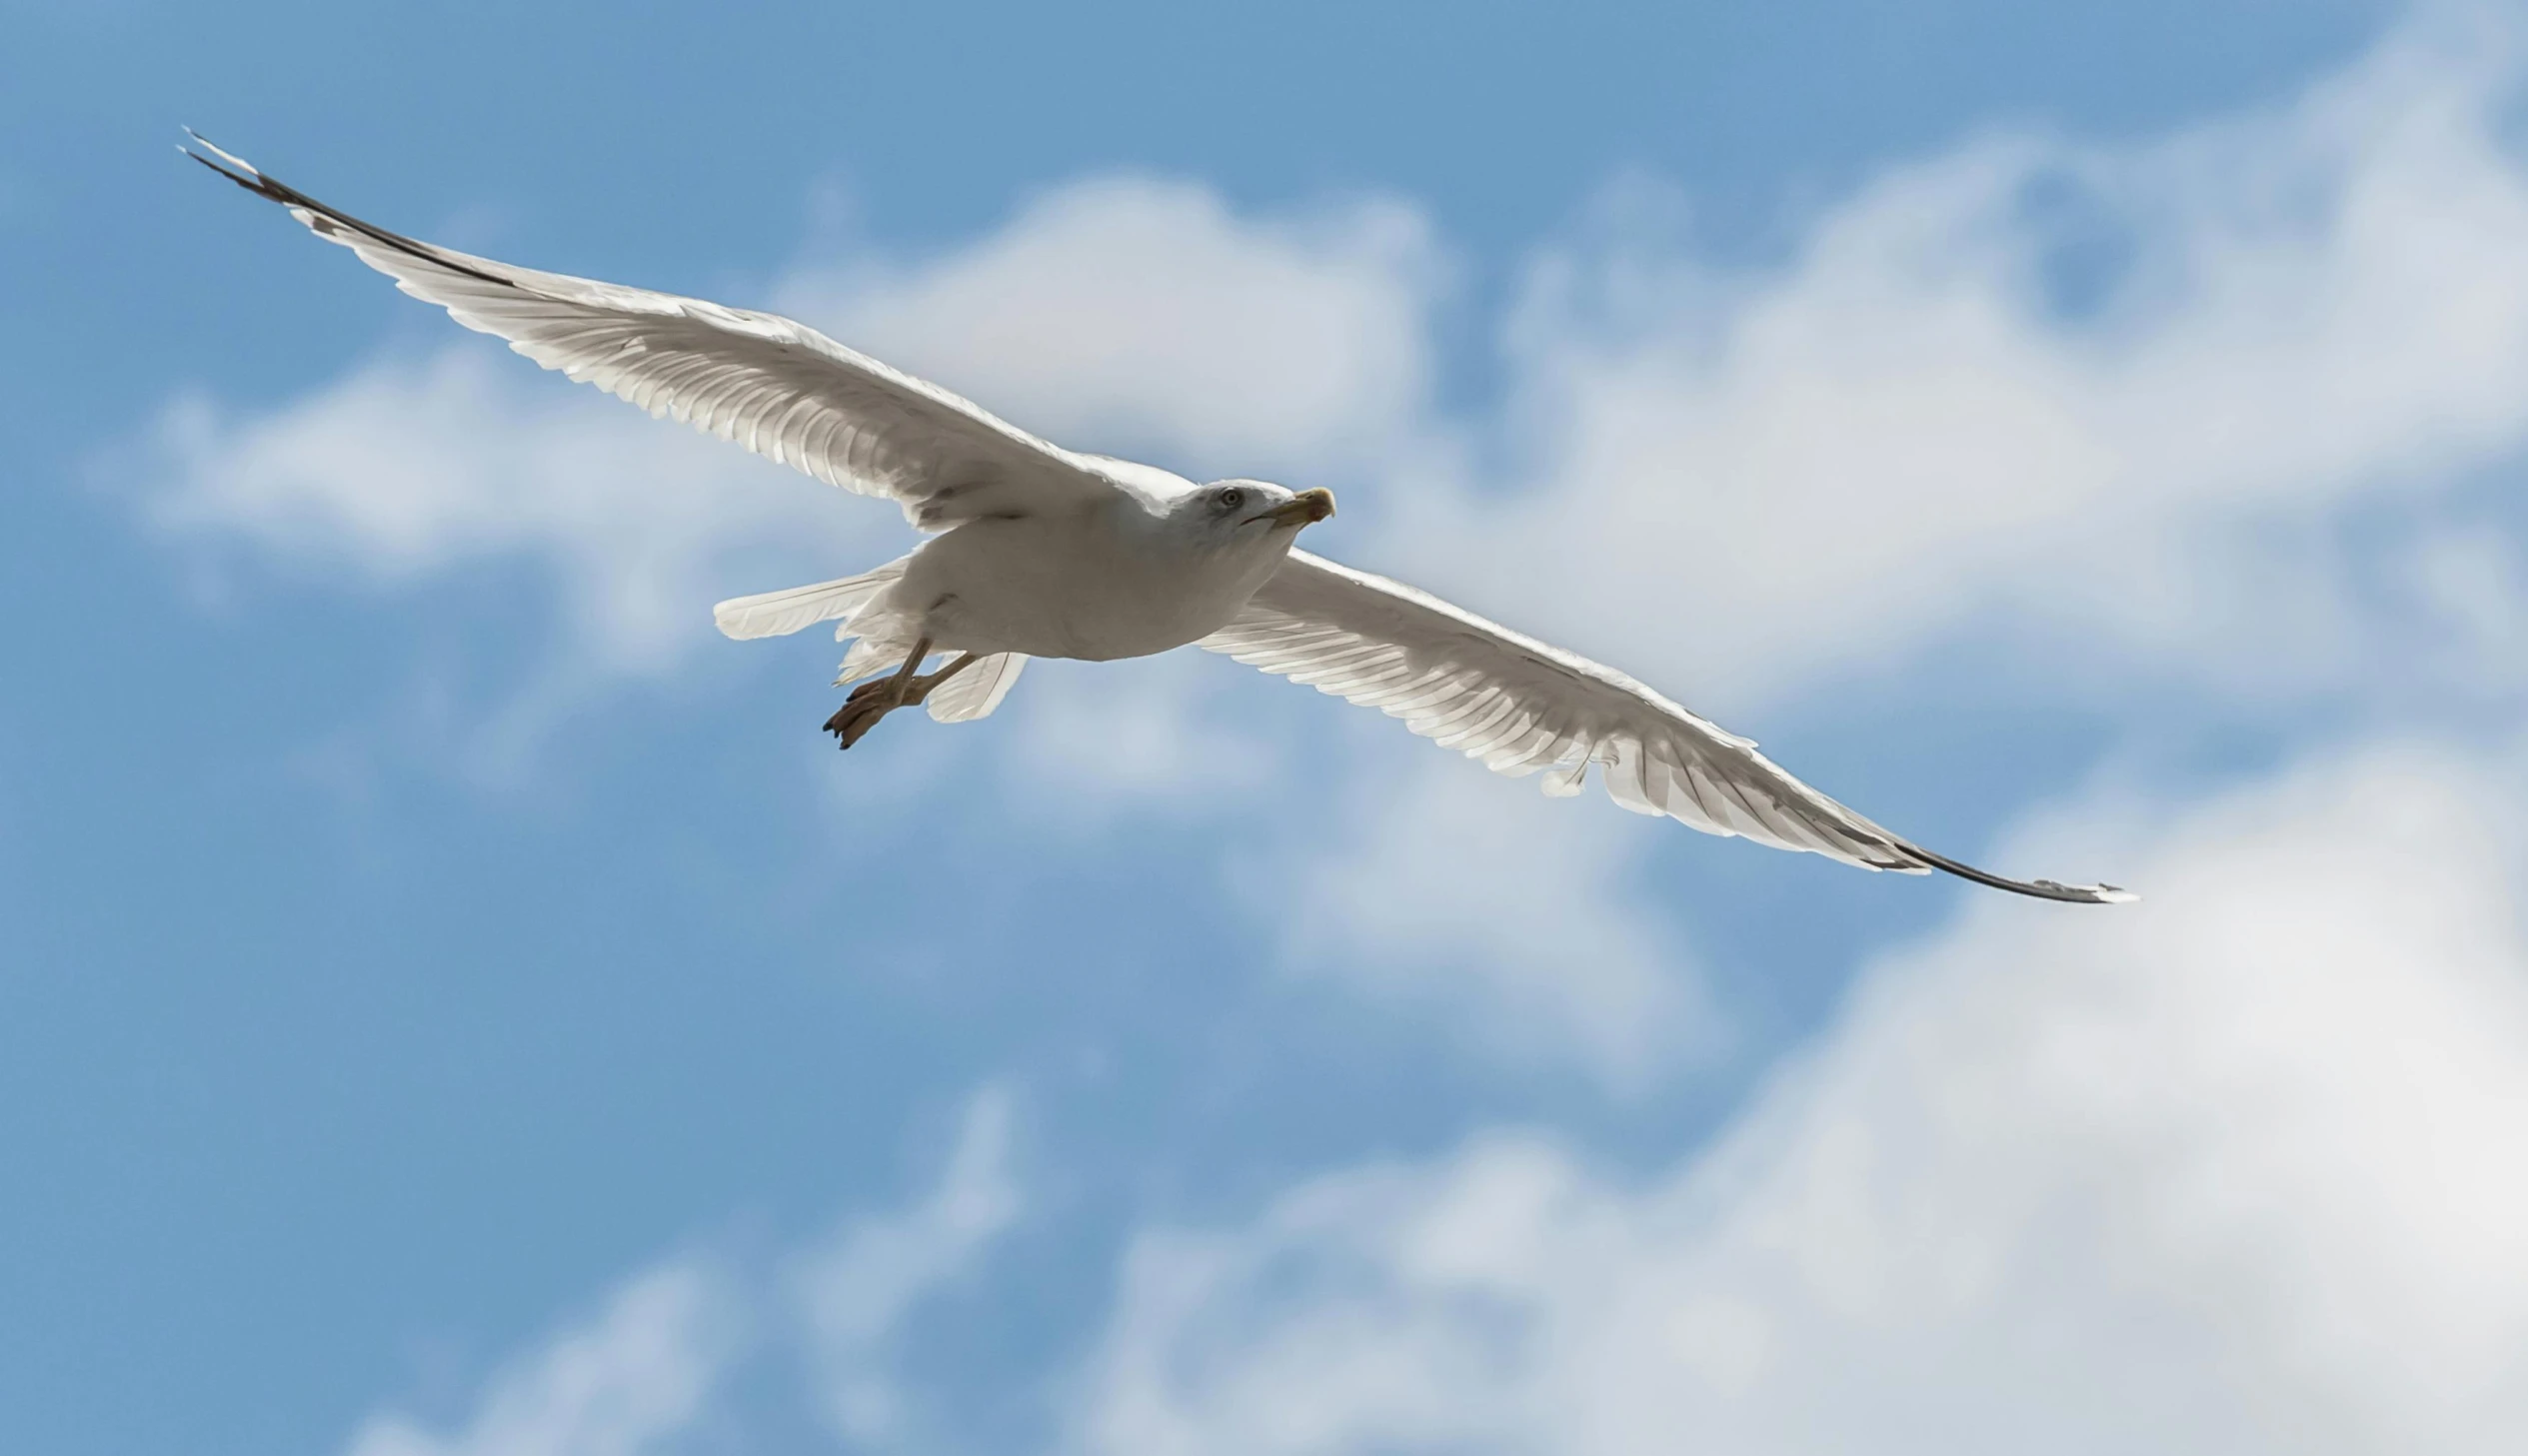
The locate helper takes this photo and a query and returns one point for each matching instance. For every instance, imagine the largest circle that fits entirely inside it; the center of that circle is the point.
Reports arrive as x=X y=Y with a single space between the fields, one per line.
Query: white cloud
x=648 y=1372
x=2472 y=593
x=2243 y=1169
x=1774 y=476
x=1145 y=313
x=633 y=1381
x=1155 y=733
x=409 y=469
x=1477 y=898
x=855 y=1292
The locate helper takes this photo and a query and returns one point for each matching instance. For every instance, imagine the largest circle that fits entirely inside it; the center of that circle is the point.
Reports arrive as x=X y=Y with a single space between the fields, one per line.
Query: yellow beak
x=1304 y=509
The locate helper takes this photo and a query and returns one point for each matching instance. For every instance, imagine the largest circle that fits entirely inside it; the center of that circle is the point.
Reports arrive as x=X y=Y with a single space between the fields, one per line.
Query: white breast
x=1095 y=586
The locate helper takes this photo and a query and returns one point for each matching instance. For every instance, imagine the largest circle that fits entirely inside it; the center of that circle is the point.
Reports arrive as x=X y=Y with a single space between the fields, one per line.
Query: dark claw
x=853 y=721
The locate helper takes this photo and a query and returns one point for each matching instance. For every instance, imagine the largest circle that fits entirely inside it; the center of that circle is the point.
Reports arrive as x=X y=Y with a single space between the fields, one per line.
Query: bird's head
x=1254 y=513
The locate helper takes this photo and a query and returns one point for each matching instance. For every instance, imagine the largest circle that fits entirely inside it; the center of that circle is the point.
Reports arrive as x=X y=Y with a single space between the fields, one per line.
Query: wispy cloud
x=652 y=1370
x=630 y=1381
x=855 y=1292
x=1489 y=905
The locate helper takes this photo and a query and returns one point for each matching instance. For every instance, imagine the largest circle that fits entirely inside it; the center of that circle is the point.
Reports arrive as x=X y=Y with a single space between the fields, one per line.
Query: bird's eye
x=1231 y=499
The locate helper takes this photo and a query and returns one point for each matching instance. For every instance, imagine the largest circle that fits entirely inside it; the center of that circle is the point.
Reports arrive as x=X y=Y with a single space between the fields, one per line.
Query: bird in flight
x=1037 y=551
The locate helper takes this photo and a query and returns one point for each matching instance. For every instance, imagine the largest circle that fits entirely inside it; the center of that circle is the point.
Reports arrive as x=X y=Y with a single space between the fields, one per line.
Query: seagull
x=1036 y=551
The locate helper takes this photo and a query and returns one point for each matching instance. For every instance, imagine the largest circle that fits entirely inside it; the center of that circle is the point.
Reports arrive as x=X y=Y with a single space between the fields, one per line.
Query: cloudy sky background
x=454 y=1005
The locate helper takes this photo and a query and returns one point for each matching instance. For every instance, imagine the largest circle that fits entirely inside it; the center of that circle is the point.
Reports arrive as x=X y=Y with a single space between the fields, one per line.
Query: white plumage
x=1046 y=551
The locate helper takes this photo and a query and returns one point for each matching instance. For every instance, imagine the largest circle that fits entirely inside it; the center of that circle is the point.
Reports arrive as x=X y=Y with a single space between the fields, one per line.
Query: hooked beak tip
x=1304 y=509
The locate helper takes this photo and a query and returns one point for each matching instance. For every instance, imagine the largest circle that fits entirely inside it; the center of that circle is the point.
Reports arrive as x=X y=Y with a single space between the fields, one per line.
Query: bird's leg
x=898 y=685
x=910 y=690
x=904 y=688
x=921 y=685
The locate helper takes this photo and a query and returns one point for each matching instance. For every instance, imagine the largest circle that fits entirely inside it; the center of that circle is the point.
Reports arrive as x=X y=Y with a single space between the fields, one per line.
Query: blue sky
x=453 y=1002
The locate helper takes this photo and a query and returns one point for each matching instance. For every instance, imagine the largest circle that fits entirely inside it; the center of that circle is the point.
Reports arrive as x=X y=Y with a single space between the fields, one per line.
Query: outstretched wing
x=773 y=385
x=1521 y=706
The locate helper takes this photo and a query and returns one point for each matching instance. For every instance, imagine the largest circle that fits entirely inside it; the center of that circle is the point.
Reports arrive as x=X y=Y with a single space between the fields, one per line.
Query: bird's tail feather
x=884 y=636
x=976 y=692
x=777 y=614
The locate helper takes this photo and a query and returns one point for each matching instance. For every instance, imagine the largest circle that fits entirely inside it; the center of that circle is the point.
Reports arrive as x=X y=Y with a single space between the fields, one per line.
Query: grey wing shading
x=1521 y=706
x=771 y=384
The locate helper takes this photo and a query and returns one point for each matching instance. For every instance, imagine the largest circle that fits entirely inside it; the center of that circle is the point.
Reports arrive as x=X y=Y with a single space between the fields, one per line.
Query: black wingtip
x=250 y=177
x=227 y=164
x=2044 y=889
